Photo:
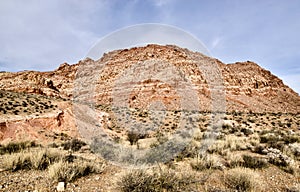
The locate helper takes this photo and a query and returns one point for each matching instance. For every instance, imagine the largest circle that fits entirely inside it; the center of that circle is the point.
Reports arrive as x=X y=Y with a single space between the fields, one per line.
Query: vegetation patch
x=243 y=180
x=67 y=172
x=155 y=181
x=14 y=147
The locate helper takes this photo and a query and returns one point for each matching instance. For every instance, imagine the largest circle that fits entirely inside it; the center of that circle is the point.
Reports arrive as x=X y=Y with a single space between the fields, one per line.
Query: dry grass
x=243 y=180
x=14 y=147
x=230 y=143
x=254 y=162
x=234 y=160
x=206 y=162
x=155 y=181
x=38 y=159
x=67 y=172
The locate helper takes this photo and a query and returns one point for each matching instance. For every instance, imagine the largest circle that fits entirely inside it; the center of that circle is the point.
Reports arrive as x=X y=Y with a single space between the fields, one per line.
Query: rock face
x=38 y=104
x=56 y=83
x=248 y=86
x=255 y=89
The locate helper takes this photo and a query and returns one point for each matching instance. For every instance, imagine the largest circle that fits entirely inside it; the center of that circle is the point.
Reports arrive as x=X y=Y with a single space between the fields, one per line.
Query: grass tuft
x=38 y=159
x=15 y=147
x=67 y=172
x=155 y=180
x=243 y=180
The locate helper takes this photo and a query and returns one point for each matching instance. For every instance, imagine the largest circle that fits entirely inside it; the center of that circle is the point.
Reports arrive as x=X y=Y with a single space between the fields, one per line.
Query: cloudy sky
x=40 y=35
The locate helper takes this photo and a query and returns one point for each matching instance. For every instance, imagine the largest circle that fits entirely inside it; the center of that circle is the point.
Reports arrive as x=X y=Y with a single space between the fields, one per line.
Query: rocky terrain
x=257 y=141
x=248 y=86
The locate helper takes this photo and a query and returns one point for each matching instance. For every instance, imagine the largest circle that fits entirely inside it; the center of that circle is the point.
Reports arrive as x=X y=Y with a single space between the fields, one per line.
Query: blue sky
x=40 y=35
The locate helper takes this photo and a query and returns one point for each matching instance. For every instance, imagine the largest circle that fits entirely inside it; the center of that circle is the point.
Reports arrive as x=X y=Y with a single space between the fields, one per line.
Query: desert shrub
x=288 y=139
x=247 y=132
x=53 y=145
x=133 y=137
x=295 y=188
x=38 y=159
x=14 y=147
x=251 y=120
x=74 y=145
x=66 y=172
x=254 y=162
x=190 y=151
x=269 y=138
x=272 y=141
x=206 y=162
x=292 y=150
x=226 y=126
x=234 y=160
x=276 y=157
x=259 y=149
x=292 y=168
x=242 y=179
x=155 y=181
x=231 y=143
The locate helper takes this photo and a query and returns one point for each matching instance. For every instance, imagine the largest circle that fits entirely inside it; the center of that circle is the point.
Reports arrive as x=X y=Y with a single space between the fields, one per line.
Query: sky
x=42 y=34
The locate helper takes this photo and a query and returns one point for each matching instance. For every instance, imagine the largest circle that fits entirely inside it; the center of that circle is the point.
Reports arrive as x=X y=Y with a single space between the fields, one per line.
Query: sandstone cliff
x=248 y=86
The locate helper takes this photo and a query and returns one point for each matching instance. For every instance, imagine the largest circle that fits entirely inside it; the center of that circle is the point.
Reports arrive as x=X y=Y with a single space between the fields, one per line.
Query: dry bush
x=14 y=147
x=74 y=145
x=283 y=161
x=231 y=143
x=254 y=162
x=66 y=172
x=155 y=181
x=190 y=151
x=276 y=157
x=133 y=137
x=295 y=188
x=206 y=162
x=38 y=159
x=292 y=150
x=243 y=180
x=234 y=160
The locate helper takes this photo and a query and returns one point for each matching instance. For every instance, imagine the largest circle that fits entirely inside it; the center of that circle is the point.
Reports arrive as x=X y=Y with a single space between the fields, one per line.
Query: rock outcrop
x=37 y=105
x=248 y=86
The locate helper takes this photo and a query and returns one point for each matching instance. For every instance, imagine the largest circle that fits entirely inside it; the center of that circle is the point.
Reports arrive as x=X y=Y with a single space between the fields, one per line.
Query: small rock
x=60 y=186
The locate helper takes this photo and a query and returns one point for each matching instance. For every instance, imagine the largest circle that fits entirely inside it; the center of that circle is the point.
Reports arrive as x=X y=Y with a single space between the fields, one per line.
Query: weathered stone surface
x=248 y=86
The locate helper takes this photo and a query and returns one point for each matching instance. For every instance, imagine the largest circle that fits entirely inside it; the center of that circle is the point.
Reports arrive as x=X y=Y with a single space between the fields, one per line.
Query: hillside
x=59 y=129
x=248 y=86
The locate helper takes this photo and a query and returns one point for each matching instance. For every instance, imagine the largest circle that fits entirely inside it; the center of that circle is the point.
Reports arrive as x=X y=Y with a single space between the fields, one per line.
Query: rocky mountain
x=39 y=104
x=168 y=94
x=248 y=86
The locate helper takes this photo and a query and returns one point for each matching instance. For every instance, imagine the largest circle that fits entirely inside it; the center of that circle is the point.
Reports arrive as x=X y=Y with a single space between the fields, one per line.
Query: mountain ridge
x=248 y=86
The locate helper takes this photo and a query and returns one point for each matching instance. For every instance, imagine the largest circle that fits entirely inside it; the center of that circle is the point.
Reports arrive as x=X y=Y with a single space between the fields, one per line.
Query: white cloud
x=42 y=34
